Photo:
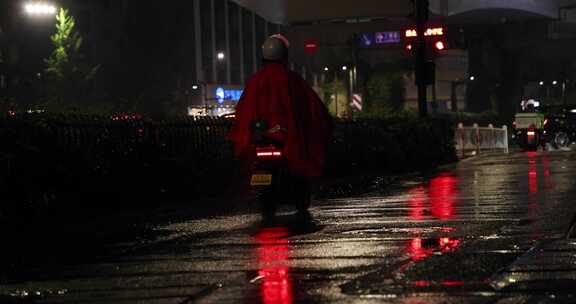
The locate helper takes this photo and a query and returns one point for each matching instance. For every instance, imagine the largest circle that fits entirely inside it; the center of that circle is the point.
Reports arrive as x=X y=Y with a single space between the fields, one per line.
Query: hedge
x=76 y=157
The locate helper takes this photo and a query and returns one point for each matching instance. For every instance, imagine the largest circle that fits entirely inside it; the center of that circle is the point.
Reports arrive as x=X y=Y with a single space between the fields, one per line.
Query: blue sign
x=220 y=95
x=379 y=38
x=387 y=37
x=223 y=94
x=366 y=39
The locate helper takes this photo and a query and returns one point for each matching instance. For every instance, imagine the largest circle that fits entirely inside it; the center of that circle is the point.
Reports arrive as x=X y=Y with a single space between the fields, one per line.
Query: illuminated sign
x=223 y=94
x=387 y=37
x=310 y=46
x=437 y=31
x=366 y=39
x=379 y=38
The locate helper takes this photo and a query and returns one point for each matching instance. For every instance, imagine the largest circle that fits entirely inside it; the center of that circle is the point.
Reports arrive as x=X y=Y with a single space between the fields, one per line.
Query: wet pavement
x=491 y=229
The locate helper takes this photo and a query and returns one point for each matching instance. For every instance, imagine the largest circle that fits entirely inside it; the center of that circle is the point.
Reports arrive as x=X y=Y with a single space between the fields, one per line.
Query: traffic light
x=439 y=45
x=433 y=48
x=434 y=37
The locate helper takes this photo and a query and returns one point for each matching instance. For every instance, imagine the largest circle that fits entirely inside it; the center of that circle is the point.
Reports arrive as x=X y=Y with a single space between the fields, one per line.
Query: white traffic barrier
x=475 y=139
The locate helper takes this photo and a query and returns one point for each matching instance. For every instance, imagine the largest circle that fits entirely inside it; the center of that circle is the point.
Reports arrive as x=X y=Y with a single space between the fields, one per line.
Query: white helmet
x=275 y=48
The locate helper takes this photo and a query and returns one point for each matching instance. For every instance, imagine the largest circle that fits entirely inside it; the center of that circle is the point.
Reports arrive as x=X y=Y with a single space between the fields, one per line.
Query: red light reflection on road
x=532 y=181
x=420 y=283
x=431 y=283
x=452 y=283
x=533 y=197
x=440 y=198
x=273 y=258
x=417 y=203
x=443 y=192
x=419 y=249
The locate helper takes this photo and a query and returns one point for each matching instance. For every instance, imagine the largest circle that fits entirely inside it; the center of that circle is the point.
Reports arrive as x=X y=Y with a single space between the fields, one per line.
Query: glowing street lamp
x=344 y=68
x=220 y=56
x=40 y=9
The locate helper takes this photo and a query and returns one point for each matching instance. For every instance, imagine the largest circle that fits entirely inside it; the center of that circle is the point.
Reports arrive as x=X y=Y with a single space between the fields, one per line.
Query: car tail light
x=268 y=152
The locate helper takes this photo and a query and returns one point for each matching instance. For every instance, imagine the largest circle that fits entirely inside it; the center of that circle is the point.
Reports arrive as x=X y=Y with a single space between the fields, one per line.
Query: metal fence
x=475 y=139
x=184 y=136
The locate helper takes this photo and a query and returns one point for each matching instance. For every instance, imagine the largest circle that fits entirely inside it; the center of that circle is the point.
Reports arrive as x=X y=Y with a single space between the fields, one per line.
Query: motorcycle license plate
x=261 y=180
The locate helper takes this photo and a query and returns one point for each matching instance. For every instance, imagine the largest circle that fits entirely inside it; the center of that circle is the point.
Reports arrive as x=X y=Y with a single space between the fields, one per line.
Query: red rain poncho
x=281 y=97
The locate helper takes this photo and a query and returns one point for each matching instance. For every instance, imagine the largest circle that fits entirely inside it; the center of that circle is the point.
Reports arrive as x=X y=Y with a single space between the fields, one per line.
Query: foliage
x=385 y=89
x=335 y=97
x=397 y=144
x=385 y=93
x=68 y=74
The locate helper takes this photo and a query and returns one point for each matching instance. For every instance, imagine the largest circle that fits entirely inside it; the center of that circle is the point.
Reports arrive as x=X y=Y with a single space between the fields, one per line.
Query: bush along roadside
x=53 y=161
x=390 y=146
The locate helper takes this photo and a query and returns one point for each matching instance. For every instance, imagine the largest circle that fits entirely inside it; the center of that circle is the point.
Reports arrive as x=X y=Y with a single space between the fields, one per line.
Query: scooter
x=271 y=179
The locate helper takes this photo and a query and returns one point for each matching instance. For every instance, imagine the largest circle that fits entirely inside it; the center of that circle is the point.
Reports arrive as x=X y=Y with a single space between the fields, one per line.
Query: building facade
x=352 y=54
x=159 y=57
x=227 y=50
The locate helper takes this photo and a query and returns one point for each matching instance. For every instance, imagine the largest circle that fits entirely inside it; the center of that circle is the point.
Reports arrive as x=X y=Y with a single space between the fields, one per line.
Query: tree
x=385 y=88
x=385 y=92
x=68 y=74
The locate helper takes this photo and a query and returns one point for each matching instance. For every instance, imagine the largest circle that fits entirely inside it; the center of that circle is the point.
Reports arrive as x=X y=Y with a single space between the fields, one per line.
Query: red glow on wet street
x=417 y=203
x=443 y=191
x=417 y=251
x=532 y=179
x=273 y=257
x=452 y=283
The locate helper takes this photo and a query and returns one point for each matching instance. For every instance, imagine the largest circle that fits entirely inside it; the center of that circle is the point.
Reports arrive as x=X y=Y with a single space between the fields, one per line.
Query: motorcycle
x=528 y=130
x=271 y=179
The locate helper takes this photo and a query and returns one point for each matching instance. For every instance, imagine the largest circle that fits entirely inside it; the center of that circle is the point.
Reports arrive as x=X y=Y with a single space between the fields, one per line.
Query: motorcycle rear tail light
x=268 y=152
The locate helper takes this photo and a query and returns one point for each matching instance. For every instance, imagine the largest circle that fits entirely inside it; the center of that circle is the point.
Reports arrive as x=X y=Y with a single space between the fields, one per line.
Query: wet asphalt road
x=491 y=229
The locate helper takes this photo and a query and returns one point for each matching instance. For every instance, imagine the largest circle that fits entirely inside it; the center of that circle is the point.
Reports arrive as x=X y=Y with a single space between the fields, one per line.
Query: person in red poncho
x=296 y=115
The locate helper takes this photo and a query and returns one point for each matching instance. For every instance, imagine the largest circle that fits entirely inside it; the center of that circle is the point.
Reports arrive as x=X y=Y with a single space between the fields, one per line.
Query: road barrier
x=474 y=140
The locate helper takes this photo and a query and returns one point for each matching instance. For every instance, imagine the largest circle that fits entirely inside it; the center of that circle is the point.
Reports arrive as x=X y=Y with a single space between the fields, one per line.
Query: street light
x=554 y=82
x=220 y=56
x=541 y=83
x=40 y=9
x=472 y=78
x=344 y=68
x=326 y=69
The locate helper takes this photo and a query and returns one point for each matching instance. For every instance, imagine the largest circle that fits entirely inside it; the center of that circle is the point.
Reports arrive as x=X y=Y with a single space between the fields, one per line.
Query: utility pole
x=421 y=11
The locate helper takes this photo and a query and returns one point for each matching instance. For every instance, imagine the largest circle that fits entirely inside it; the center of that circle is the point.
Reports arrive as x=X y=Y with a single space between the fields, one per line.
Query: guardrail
x=474 y=140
